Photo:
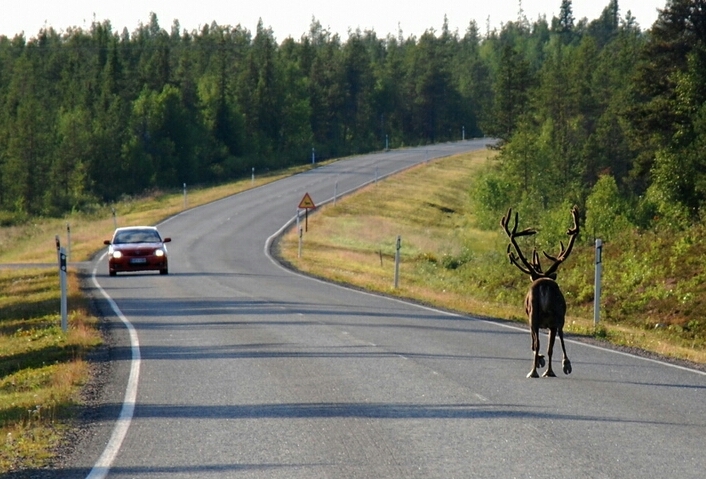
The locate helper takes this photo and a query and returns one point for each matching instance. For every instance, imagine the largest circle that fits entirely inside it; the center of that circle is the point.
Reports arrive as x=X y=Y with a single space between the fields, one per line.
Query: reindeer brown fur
x=544 y=304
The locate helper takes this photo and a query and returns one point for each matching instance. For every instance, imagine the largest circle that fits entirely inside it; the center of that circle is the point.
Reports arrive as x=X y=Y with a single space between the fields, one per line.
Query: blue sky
x=288 y=18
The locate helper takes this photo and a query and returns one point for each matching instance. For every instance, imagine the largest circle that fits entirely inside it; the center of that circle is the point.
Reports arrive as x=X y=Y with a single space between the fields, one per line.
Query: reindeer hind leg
x=565 y=363
x=549 y=373
x=537 y=359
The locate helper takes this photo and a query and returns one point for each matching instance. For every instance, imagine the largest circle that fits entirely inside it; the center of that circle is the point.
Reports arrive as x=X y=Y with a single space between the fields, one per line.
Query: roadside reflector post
x=397 y=261
x=252 y=181
x=58 y=248
x=313 y=156
x=62 y=281
x=184 y=195
x=597 y=285
x=115 y=219
x=335 y=193
x=299 y=255
x=68 y=242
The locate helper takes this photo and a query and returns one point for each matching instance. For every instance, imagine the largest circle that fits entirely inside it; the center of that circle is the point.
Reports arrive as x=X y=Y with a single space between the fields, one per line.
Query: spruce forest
x=589 y=112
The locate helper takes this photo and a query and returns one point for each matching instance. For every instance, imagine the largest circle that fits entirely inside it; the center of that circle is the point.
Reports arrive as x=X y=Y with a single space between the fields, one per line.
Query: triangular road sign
x=307 y=202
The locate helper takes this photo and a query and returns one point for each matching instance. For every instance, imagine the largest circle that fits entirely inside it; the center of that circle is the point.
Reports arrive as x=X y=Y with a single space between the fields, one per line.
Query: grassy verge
x=449 y=263
x=43 y=369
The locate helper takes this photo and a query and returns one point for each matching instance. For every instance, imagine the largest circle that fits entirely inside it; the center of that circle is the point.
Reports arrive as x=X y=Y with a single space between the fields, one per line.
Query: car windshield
x=137 y=236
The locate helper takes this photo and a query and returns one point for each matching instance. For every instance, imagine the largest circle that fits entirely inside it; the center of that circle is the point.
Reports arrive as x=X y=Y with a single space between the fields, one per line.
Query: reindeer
x=544 y=304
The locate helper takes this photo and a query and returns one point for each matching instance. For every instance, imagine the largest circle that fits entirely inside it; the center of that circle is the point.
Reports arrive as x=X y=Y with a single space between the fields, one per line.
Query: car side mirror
x=106 y=242
x=166 y=240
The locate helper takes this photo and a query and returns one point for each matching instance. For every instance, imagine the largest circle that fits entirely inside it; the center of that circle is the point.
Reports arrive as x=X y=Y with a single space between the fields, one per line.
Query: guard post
x=62 y=281
x=397 y=261
x=597 y=284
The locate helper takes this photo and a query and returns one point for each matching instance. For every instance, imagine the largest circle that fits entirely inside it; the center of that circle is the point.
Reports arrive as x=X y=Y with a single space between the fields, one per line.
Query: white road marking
x=102 y=466
x=270 y=240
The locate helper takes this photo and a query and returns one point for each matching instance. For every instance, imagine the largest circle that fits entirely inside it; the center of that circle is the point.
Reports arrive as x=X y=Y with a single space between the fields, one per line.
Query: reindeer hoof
x=567 y=367
x=540 y=361
x=533 y=374
x=548 y=374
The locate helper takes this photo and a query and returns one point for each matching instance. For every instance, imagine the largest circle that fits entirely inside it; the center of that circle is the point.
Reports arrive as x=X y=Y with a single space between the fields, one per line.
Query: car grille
x=138 y=252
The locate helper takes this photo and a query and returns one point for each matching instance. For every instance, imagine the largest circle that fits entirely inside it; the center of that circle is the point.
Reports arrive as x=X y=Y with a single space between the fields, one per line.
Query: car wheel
x=164 y=271
x=112 y=273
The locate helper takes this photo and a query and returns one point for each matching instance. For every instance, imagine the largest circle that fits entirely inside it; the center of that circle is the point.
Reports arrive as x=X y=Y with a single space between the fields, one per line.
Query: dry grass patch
x=355 y=240
x=446 y=261
x=41 y=367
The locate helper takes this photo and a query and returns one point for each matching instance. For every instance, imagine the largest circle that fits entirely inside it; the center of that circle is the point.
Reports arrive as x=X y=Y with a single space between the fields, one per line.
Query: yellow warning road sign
x=306 y=202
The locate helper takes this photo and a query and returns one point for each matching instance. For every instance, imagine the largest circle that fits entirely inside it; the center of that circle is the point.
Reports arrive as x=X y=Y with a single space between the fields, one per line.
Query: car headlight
x=117 y=254
x=159 y=252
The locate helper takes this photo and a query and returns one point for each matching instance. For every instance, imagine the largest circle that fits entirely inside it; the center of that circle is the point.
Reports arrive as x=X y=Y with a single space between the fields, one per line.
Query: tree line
x=602 y=114
x=589 y=111
x=88 y=116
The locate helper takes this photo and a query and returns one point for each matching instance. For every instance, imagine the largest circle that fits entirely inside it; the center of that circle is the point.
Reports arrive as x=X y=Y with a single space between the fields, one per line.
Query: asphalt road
x=244 y=369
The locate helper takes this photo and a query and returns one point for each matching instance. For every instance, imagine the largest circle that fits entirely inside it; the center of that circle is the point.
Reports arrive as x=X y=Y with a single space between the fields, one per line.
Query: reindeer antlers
x=534 y=269
x=529 y=268
x=564 y=253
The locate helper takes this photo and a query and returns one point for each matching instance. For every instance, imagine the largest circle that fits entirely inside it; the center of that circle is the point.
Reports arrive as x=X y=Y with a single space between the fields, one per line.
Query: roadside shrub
x=9 y=218
x=490 y=196
x=606 y=210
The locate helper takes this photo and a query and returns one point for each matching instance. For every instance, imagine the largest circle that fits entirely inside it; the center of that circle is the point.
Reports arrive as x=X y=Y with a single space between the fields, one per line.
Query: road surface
x=234 y=367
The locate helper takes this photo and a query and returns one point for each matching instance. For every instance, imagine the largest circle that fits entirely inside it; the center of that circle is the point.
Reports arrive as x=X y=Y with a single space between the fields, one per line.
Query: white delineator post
x=68 y=242
x=62 y=281
x=597 y=285
x=299 y=253
x=397 y=261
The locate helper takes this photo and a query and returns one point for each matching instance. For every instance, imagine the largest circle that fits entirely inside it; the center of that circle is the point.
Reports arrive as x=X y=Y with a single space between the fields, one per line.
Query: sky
x=289 y=18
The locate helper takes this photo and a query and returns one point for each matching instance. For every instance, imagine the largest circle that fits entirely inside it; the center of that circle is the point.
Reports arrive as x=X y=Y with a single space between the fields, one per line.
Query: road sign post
x=306 y=204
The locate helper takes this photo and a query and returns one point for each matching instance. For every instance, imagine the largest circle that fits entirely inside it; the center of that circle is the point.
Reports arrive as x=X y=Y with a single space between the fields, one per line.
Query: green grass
x=41 y=367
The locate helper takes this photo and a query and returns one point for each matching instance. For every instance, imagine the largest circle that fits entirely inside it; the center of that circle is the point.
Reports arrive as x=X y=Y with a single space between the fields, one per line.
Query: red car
x=137 y=248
